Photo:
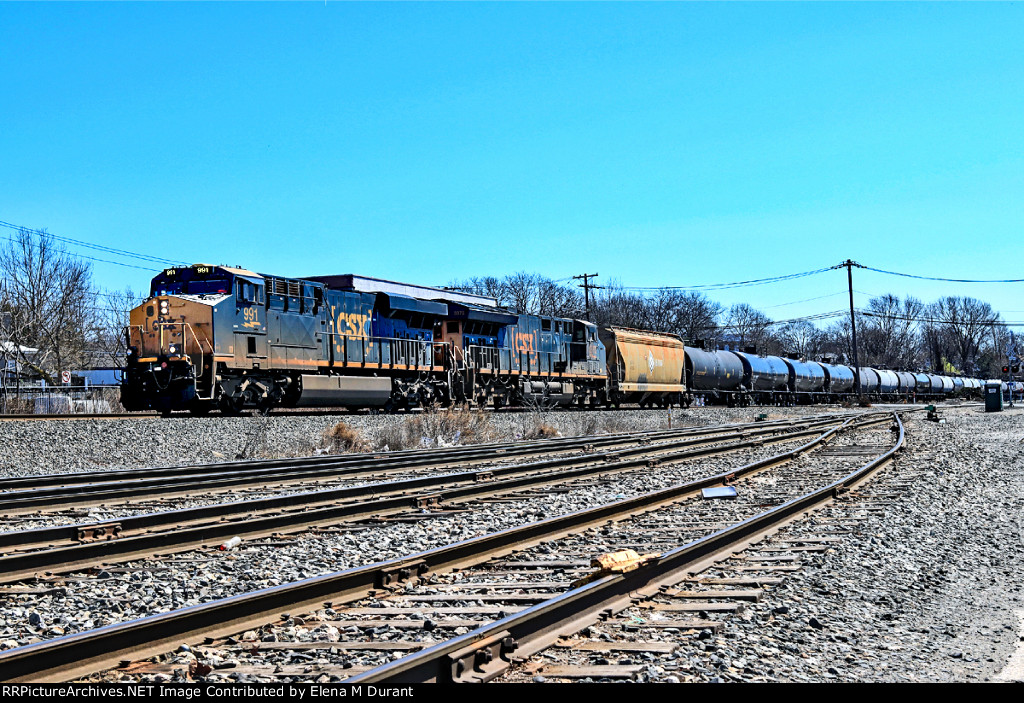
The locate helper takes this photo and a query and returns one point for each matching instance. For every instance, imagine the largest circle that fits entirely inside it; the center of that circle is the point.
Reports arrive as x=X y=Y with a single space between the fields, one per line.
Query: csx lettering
x=353 y=323
x=523 y=342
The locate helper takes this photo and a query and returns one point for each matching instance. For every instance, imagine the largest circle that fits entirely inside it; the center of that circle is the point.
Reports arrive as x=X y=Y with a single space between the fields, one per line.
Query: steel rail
x=491 y=649
x=19 y=502
x=378 y=460
x=84 y=653
x=137 y=536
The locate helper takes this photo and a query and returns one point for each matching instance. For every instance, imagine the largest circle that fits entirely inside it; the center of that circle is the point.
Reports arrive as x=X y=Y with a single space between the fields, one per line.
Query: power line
x=807 y=300
x=96 y=247
x=948 y=280
x=735 y=284
x=93 y=258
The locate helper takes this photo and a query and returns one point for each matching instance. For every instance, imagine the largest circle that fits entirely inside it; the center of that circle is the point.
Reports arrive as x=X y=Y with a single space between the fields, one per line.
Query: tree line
x=955 y=334
x=52 y=316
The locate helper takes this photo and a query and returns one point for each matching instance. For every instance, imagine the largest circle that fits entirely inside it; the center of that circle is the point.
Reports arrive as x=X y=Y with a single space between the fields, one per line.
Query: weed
x=342 y=438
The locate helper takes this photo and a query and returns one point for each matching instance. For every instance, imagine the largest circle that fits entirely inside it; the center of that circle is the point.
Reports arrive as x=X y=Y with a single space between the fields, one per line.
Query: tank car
x=765 y=378
x=806 y=380
x=715 y=376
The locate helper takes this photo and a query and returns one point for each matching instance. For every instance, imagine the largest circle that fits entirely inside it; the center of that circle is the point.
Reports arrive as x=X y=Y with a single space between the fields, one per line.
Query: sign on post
x=65 y=378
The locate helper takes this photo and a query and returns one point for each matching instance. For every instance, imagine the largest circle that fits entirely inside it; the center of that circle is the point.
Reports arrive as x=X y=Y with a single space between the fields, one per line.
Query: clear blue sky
x=657 y=144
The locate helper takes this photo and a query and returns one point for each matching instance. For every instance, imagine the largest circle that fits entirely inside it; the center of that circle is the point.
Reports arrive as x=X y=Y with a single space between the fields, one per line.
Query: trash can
x=993 y=397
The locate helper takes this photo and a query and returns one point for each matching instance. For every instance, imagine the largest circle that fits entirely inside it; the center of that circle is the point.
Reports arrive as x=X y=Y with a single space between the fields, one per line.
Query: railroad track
x=19 y=496
x=64 y=548
x=286 y=412
x=509 y=626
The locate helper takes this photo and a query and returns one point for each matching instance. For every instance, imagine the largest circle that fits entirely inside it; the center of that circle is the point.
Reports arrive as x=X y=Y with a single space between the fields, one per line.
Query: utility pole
x=853 y=324
x=586 y=286
x=1011 y=358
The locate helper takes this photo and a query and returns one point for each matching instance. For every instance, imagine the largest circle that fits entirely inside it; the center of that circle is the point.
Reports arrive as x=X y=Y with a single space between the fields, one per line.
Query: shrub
x=342 y=438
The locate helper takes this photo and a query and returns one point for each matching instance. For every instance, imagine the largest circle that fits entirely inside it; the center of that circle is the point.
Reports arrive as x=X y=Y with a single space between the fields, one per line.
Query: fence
x=38 y=399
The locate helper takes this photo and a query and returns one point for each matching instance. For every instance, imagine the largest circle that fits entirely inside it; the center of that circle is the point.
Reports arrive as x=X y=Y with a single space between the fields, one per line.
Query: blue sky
x=657 y=144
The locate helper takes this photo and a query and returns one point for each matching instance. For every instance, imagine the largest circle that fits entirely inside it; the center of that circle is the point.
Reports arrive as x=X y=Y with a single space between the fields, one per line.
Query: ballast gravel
x=927 y=587
x=67 y=446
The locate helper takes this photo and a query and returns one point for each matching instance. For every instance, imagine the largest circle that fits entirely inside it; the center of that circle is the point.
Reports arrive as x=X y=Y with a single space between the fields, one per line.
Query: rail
x=83 y=653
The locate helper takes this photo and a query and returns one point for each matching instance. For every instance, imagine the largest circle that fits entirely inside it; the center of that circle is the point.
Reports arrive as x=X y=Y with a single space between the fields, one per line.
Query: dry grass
x=541 y=430
x=342 y=438
x=438 y=427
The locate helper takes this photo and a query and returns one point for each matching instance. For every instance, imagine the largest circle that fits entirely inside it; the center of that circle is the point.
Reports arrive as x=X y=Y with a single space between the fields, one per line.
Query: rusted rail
x=80 y=654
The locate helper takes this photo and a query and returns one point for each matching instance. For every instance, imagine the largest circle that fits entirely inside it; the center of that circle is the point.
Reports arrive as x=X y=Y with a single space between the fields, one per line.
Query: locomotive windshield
x=197 y=280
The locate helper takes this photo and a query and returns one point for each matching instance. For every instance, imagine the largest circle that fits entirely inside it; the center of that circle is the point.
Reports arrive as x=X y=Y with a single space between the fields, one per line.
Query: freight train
x=214 y=337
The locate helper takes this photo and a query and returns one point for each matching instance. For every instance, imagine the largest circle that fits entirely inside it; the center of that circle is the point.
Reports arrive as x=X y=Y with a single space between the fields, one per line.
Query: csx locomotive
x=218 y=337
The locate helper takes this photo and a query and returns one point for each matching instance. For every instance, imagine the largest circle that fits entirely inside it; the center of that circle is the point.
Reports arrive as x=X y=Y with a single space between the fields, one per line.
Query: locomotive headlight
x=165 y=307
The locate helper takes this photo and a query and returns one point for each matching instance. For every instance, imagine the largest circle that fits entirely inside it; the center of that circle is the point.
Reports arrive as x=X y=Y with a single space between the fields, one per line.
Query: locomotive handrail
x=184 y=349
x=407 y=347
x=199 y=343
x=128 y=330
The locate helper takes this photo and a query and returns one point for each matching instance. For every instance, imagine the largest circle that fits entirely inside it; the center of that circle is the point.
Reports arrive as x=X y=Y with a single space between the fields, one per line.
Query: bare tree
x=888 y=331
x=801 y=338
x=108 y=337
x=49 y=300
x=956 y=329
x=747 y=326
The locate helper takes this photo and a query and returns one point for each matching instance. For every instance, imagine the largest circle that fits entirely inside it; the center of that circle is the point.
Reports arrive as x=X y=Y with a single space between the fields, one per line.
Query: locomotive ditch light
x=173 y=349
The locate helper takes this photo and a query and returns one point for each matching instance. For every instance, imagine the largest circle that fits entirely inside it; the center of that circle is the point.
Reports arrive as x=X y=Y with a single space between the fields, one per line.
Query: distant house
x=99 y=376
x=12 y=370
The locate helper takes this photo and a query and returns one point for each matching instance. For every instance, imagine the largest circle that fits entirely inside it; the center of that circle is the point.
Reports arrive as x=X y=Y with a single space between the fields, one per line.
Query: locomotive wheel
x=230 y=406
x=199 y=408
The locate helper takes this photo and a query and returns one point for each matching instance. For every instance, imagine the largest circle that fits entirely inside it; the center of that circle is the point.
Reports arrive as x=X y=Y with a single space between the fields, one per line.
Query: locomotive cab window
x=246 y=292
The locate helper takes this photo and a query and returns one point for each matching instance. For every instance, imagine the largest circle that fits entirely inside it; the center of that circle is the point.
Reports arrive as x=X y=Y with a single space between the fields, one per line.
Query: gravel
x=928 y=587
x=66 y=446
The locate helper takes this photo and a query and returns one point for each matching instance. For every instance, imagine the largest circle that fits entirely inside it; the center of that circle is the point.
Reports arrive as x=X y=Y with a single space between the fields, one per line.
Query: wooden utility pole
x=586 y=286
x=853 y=324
